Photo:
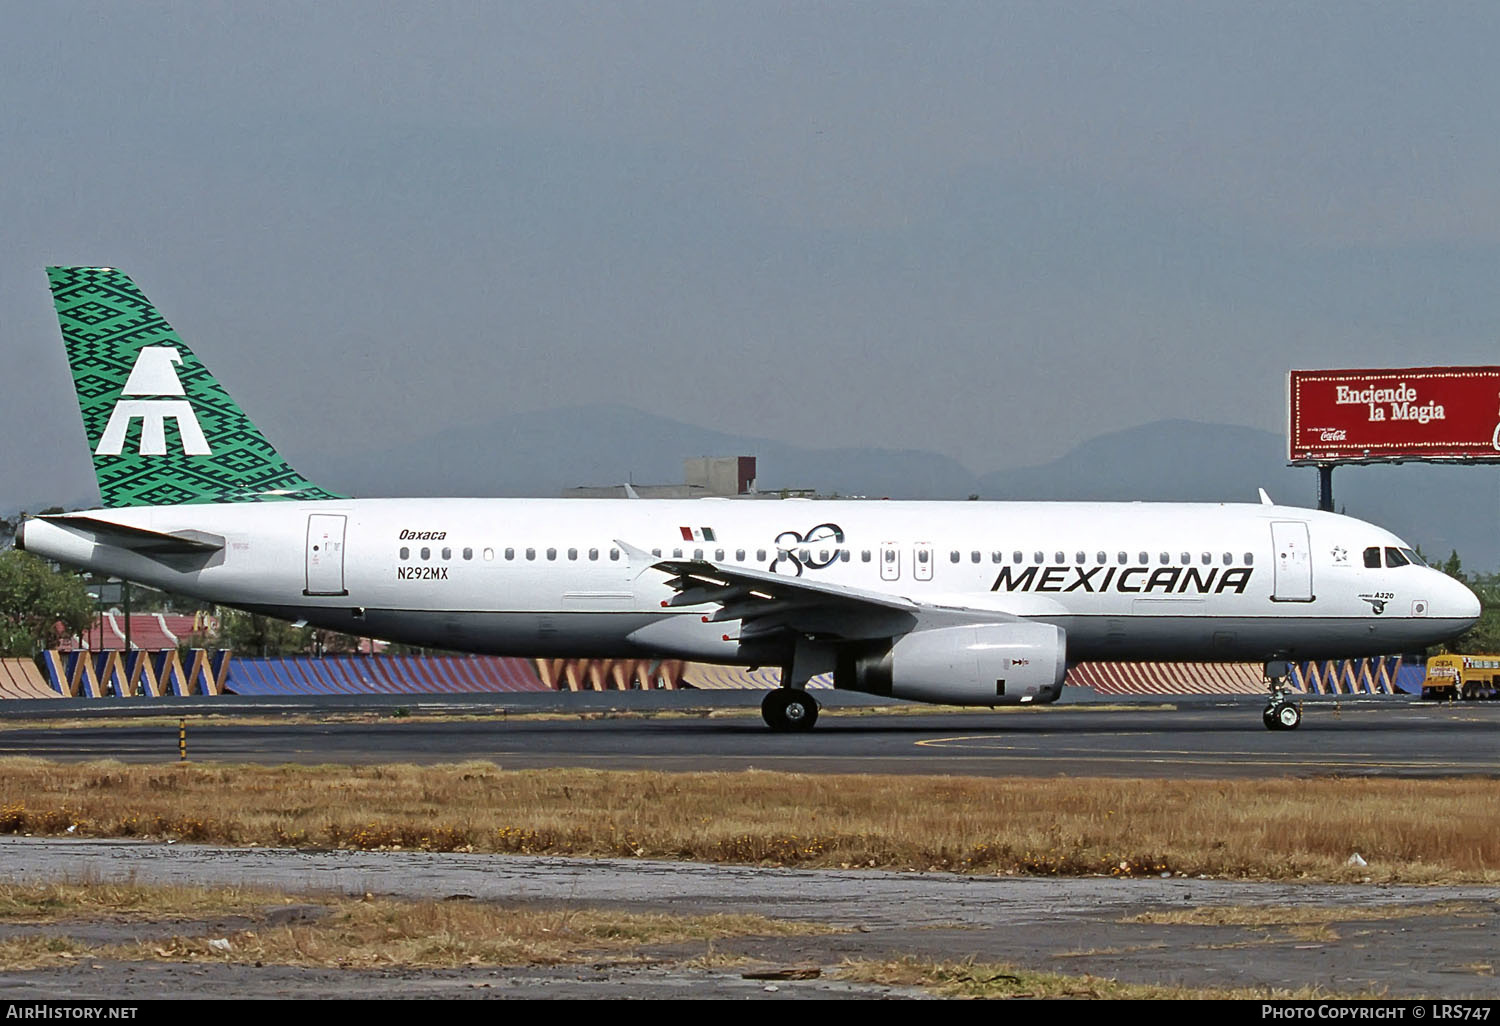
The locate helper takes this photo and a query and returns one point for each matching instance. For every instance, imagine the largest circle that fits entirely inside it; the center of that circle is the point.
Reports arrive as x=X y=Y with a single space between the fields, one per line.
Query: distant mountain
x=1439 y=508
x=1166 y=461
x=544 y=453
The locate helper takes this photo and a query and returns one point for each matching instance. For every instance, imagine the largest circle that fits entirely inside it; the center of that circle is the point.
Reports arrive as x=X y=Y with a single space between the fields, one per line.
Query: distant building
x=726 y=477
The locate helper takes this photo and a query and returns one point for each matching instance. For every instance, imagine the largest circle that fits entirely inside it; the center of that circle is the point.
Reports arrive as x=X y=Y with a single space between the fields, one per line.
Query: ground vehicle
x=1462 y=676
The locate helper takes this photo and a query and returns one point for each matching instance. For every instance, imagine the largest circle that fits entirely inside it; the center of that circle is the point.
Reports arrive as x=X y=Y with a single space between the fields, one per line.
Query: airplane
x=962 y=603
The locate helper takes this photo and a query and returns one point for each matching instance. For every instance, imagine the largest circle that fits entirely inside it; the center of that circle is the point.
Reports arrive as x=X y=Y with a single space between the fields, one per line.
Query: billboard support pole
x=1325 y=487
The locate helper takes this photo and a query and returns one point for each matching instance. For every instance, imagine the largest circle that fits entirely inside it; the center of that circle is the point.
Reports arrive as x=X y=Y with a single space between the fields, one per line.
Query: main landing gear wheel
x=1282 y=711
x=1283 y=715
x=789 y=709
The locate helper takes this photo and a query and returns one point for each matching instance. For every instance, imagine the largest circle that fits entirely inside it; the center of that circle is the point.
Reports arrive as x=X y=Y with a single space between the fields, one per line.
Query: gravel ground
x=1066 y=925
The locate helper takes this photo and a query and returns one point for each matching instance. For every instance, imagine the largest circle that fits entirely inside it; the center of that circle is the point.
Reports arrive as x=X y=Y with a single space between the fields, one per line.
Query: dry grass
x=982 y=980
x=1301 y=915
x=1408 y=830
x=53 y=902
x=378 y=933
x=361 y=933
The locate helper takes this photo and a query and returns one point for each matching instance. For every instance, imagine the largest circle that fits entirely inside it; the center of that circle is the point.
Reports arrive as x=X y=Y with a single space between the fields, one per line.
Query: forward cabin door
x=1293 y=561
x=325 y=555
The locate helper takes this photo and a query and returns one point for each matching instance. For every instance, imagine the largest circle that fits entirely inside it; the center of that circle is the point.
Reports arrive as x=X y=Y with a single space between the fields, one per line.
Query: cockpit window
x=1413 y=558
x=1372 y=558
x=1393 y=557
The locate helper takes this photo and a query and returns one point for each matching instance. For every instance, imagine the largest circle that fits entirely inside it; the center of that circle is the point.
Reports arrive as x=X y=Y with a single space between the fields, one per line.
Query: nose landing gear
x=1283 y=711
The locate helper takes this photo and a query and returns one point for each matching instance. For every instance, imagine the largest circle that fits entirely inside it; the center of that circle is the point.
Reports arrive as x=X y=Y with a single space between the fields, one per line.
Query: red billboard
x=1416 y=413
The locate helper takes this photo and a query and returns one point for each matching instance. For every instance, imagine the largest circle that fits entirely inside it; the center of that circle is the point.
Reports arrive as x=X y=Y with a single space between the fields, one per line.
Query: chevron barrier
x=159 y=674
x=135 y=674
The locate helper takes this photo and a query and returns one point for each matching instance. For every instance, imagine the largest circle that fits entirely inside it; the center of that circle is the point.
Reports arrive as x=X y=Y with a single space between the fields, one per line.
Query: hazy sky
x=991 y=230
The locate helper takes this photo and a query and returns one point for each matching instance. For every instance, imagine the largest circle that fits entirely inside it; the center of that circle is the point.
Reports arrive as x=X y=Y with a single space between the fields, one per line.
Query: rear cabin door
x=1293 y=561
x=921 y=566
x=325 y=555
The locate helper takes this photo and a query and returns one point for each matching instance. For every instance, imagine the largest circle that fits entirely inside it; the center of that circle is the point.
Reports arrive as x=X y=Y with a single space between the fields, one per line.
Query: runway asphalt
x=1183 y=737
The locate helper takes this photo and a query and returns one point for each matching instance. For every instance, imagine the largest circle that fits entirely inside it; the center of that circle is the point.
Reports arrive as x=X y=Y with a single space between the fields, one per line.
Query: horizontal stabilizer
x=139 y=539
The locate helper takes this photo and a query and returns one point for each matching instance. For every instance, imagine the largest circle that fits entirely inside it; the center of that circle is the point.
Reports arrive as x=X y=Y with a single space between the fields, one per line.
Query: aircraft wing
x=766 y=603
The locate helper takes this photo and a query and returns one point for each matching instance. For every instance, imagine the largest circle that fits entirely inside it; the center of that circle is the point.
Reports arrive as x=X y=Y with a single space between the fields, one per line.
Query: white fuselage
x=539 y=577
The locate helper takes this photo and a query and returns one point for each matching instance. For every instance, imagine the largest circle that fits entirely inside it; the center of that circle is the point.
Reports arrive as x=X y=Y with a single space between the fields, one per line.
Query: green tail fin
x=162 y=430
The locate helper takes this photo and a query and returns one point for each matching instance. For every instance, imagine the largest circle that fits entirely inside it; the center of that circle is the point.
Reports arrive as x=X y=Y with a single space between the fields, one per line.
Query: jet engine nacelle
x=985 y=664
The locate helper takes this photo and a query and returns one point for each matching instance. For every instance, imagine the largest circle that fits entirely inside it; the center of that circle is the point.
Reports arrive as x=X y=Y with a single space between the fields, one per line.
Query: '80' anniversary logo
x=796 y=552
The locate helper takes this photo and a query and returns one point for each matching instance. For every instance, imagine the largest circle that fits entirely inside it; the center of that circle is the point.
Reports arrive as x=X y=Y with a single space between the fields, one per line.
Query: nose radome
x=1463 y=603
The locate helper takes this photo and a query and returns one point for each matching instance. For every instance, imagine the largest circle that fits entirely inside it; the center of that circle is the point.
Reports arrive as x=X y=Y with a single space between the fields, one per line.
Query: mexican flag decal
x=697 y=533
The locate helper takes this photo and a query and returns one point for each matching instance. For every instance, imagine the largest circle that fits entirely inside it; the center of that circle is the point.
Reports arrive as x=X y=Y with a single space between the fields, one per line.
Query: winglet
x=644 y=559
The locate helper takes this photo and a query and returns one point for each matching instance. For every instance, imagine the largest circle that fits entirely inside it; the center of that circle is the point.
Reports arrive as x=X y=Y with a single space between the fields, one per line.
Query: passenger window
x=1208 y=557
x=405 y=552
x=447 y=553
x=923 y=555
x=468 y=553
x=718 y=555
x=489 y=554
x=1015 y=557
x=572 y=553
x=1058 y=557
x=995 y=556
x=551 y=553
x=974 y=556
x=656 y=553
x=953 y=557
x=1102 y=558
x=1122 y=558
x=593 y=554
x=1037 y=557
x=1080 y=558
x=843 y=555
x=531 y=553
x=1228 y=558
x=614 y=554
x=426 y=553
x=1393 y=557
x=1166 y=557
x=509 y=553
x=1145 y=558
x=760 y=555
x=806 y=555
x=676 y=553
x=739 y=555
x=1187 y=558
x=864 y=556
x=823 y=555
x=1249 y=559
x=890 y=555
x=697 y=553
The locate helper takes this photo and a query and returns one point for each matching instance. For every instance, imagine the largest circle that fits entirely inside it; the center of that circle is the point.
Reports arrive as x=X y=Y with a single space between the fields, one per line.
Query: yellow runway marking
x=970 y=744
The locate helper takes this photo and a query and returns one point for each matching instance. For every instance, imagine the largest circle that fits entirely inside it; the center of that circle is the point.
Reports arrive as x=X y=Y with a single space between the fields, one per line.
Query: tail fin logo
x=153 y=375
